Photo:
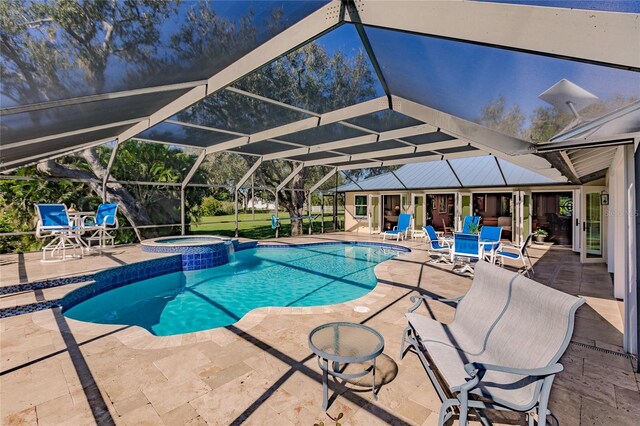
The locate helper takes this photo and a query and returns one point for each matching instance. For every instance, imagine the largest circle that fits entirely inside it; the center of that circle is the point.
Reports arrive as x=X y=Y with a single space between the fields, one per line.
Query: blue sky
x=460 y=78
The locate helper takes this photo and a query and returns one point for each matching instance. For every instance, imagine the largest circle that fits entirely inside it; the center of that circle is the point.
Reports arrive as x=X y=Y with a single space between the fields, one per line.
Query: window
x=361 y=205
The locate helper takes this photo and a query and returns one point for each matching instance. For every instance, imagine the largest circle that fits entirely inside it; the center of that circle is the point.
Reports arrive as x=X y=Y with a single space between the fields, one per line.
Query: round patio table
x=345 y=343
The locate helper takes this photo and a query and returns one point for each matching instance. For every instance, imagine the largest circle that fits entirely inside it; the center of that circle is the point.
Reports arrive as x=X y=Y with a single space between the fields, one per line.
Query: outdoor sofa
x=502 y=349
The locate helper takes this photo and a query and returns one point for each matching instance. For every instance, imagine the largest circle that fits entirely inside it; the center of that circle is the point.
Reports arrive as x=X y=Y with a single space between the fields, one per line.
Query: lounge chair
x=490 y=233
x=105 y=220
x=516 y=253
x=399 y=231
x=53 y=222
x=468 y=221
x=502 y=349
x=441 y=249
x=466 y=247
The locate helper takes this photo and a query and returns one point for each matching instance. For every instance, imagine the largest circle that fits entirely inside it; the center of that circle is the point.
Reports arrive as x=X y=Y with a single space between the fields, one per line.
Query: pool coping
x=137 y=337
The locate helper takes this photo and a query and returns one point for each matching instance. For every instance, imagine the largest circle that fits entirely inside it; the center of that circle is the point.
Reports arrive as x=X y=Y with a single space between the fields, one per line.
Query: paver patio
x=261 y=371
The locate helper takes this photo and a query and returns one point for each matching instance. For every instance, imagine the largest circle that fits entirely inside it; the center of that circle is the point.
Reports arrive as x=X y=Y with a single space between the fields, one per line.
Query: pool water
x=184 y=302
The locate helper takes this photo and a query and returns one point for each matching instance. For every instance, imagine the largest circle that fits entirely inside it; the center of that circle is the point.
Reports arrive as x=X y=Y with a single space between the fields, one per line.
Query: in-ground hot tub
x=198 y=252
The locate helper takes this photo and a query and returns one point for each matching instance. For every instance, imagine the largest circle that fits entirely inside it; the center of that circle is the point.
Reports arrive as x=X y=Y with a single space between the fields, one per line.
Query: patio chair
x=446 y=229
x=502 y=349
x=399 y=231
x=441 y=249
x=468 y=221
x=467 y=248
x=487 y=234
x=516 y=253
x=105 y=220
x=53 y=222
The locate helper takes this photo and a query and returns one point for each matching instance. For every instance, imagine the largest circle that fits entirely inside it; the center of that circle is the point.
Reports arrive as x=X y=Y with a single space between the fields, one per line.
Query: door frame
x=575 y=216
x=518 y=215
x=412 y=208
x=458 y=207
x=370 y=213
x=385 y=194
x=583 y=228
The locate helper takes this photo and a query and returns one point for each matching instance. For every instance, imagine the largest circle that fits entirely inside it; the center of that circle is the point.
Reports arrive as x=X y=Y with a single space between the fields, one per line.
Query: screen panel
x=239 y=113
x=330 y=73
x=147 y=44
x=183 y=135
x=45 y=122
x=497 y=88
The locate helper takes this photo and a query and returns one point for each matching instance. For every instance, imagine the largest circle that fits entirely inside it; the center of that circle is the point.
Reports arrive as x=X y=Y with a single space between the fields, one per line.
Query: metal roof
x=471 y=172
x=588 y=148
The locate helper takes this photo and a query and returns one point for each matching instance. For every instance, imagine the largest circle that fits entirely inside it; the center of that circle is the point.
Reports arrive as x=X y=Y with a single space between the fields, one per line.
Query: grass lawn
x=247 y=228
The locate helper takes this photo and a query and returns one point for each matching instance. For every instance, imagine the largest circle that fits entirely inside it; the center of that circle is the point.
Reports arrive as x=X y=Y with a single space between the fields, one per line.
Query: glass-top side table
x=345 y=343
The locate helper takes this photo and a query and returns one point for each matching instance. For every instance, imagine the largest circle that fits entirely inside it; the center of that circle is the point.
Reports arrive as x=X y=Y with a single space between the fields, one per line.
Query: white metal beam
x=461 y=128
x=270 y=101
x=586 y=35
x=380 y=154
x=34 y=159
x=72 y=133
x=298 y=34
x=408 y=160
x=498 y=144
x=247 y=175
x=346 y=113
x=323 y=180
x=370 y=139
x=99 y=97
x=194 y=169
x=107 y=172
x=291 y=176
x=323 y=147
x=208 y=128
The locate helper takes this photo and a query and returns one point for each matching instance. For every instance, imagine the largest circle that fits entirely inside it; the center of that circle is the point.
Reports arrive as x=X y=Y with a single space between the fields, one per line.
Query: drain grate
x=607 y=351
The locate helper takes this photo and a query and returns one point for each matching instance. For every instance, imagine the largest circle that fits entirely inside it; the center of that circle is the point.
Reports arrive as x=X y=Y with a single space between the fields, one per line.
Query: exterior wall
x=351 y=222
x=360 y=225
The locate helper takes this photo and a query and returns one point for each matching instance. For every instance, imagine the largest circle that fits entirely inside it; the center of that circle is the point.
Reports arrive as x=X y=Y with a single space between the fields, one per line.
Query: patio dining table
x=450 y=241
x=76 y=219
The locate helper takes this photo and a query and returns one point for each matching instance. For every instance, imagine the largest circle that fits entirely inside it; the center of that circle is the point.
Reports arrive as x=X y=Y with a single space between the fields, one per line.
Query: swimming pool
x=188 y=301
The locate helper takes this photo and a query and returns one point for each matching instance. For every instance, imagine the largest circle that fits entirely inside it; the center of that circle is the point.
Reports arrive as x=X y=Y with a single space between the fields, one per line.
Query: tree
x=64 y=48
x=494 y=116
x=308 y=78
x=547 y=122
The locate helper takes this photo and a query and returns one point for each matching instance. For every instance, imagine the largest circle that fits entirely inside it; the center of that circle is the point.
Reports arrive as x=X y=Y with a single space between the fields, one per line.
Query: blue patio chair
x=468 y=221
x=53 y=222
x=399 y=231
x=516 y=253
x=467 y=248
x=105 y=220
x=490 y=241
x=441 y=249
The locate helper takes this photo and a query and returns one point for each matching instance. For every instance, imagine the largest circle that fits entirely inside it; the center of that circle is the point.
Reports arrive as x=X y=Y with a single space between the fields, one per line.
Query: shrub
x=213 y=207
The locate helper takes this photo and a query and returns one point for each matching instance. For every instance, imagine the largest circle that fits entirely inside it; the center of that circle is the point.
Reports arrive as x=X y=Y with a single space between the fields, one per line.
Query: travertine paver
x=260 y=371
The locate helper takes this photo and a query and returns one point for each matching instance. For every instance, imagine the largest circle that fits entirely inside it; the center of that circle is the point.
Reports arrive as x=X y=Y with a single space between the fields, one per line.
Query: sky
x=460 y=78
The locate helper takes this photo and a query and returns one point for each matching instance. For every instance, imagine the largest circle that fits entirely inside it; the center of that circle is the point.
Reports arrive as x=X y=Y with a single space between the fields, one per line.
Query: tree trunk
x=295 y=205
x=135 y=213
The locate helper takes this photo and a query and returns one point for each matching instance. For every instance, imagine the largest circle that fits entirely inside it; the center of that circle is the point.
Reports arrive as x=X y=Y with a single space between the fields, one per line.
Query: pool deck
x=259 y=371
